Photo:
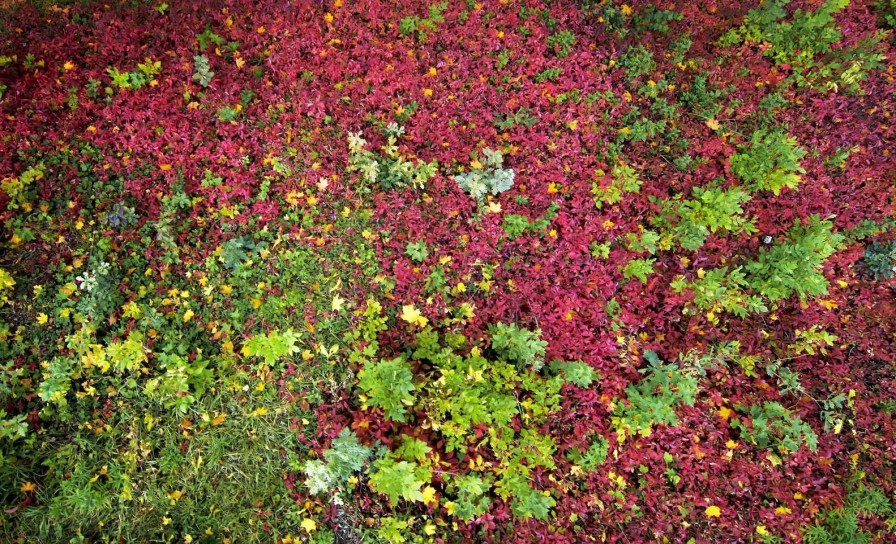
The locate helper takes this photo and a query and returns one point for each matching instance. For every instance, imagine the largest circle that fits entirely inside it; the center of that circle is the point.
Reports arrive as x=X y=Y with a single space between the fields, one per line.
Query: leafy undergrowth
x=468 y=271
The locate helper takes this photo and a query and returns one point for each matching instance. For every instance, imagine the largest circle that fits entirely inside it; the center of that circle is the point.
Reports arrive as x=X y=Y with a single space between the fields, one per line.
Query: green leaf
x=344 y=457
x=653 y=400
x=388 y=384
x=525 y=502
x=772 y=425
x=794 y=265
x=412 y=449
x=576 y=372
x=521 y=346
x=623 y=179
x=638 y=268
x=398 y=480
x=492 y=179
x=596 y=454
x=203 y=73
x=417 y=251
x=273 y=345
x=515 y=225
x=770 y=162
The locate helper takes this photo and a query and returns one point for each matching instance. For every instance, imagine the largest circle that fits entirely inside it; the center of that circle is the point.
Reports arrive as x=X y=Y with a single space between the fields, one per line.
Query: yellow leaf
x=829 y=304
x=712 y=124
x=412 y=315
x=175 y=495
x=131 y=310
x=761 y=530
x=338 y=303
x=188 y=315
x=429 y=495
x=713 y=512
x=27 y=487
x=219 y=419
x=783 y=510
x=494 y=207
x=725 y=413
x=165 y=167
x=42 y=318
x=309 y=525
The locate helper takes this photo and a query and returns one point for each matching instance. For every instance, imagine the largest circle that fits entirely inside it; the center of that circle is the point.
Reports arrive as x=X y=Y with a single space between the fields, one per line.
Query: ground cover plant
x=488 y=271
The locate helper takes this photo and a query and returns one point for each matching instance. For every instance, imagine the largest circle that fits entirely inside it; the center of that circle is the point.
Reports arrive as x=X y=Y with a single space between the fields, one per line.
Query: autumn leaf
x=713 y=512
x=175 y=495
x=725 y=413
x=429 y=495
x=412 y=315
x=309 y=525
x=338 y=303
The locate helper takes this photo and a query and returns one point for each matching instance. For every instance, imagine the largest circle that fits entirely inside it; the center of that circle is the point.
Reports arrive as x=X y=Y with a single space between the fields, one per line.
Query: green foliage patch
x=770 y=162
x=709 y=211
x=489 y=178
x=467 y=389
x=388 y=169
x=805 y=40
